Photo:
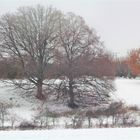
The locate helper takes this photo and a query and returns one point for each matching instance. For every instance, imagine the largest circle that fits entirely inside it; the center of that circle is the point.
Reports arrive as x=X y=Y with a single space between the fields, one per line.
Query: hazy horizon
x=117 y=22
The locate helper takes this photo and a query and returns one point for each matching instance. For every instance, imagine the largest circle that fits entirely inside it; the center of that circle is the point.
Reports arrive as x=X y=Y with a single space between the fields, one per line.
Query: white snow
x=20 y=106
x=83 y=134
x=26 y=108
x=128 y=90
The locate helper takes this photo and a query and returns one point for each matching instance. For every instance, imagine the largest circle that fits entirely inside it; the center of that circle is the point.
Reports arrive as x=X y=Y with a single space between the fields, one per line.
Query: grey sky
x=116 y=21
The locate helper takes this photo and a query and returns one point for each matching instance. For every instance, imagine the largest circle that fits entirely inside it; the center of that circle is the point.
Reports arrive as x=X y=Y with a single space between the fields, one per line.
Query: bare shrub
x=26 y=126
x=4 y=112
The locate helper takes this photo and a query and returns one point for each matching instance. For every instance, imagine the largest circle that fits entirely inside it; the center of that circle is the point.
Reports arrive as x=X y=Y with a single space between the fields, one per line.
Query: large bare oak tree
x=31 y=35
x=82 y=58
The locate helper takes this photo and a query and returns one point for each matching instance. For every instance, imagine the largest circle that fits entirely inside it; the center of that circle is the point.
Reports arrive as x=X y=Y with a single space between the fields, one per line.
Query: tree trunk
x=89 y=122
x=40 y=94
x=71 y=95
x=2 y=123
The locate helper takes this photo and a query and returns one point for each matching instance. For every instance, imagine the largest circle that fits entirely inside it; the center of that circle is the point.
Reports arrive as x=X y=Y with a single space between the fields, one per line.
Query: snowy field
x=127 y=90
x=83 y=134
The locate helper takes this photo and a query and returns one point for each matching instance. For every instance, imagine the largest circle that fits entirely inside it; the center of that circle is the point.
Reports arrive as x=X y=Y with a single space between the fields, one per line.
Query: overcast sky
x=117 y=22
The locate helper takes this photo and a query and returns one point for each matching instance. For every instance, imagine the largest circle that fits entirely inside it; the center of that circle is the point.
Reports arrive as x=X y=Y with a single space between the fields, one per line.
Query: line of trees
x=123 y=69
x=130 y=65
x=133 y=61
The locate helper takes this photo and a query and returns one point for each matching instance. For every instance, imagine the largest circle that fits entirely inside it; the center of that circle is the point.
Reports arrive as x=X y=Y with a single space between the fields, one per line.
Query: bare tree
x=30 y=36
x=80 y=52
x=39 y=37
x=4 y=112
x=13 y=118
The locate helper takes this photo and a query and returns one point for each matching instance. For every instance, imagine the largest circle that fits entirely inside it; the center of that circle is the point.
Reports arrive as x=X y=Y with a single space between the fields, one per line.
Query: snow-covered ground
x=128 y=90
x=25 y=107
x=83 y=134
x=21 y=106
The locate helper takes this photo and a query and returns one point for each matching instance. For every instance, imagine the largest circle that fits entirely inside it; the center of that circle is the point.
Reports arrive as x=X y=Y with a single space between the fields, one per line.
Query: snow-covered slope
x=25 y=107
x=83 y=134
x=21 y=105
